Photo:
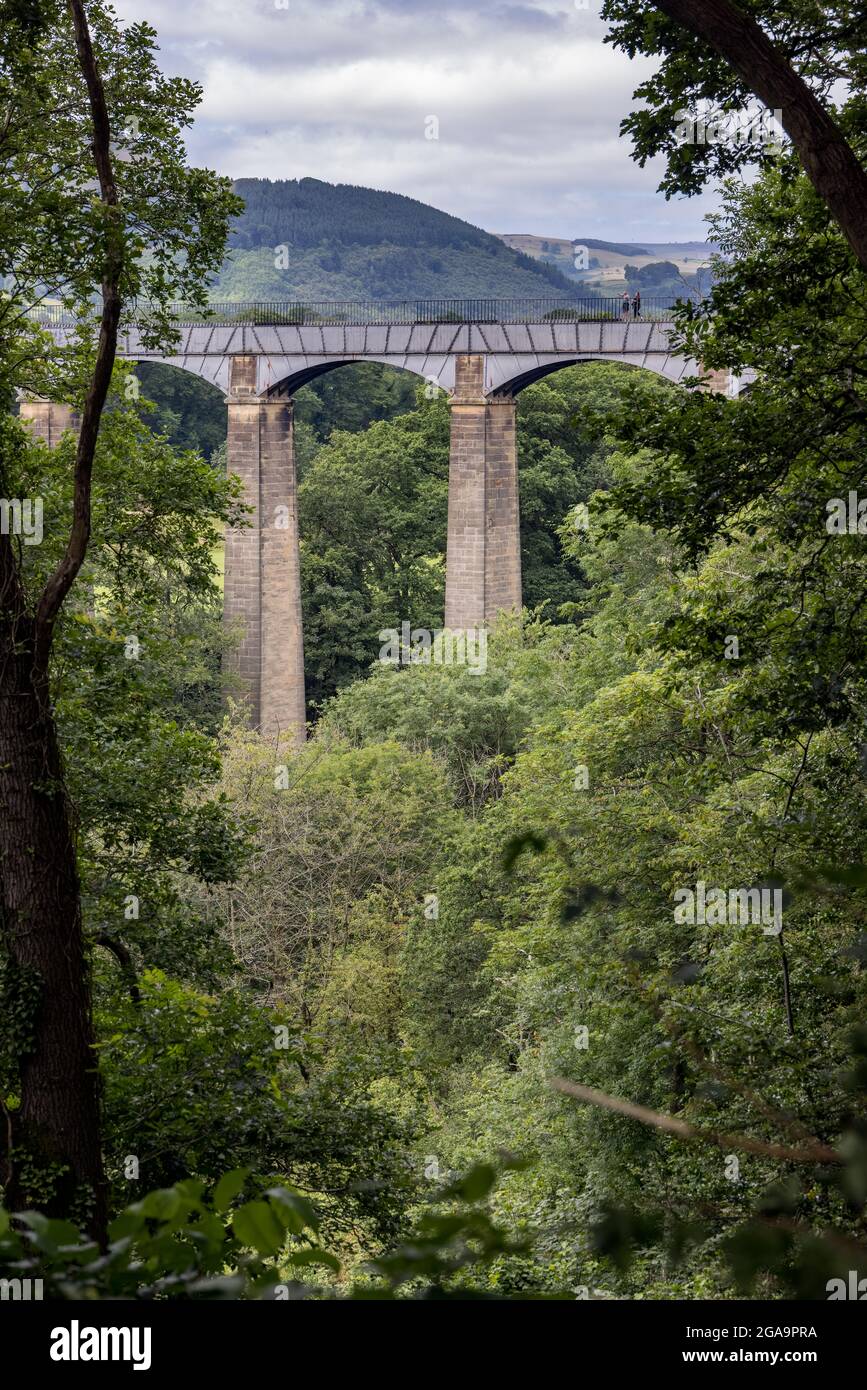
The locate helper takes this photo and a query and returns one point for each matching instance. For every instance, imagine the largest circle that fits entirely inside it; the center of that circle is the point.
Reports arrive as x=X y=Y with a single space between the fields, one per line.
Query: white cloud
x=528 y=98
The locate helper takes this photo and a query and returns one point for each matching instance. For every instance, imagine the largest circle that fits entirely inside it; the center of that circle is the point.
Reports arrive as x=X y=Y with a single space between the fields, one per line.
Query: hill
x=305 y=239
x=564 y=246
x=605 y=272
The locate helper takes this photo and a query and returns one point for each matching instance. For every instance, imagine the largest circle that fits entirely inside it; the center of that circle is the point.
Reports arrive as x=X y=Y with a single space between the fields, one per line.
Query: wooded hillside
x=312 y=240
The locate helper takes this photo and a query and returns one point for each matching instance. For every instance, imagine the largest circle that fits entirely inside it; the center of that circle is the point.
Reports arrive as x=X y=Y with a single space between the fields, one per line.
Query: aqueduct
x=481 y=352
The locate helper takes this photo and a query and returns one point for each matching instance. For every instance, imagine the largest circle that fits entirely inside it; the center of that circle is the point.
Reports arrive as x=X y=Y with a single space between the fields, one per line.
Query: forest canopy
x=539 y=979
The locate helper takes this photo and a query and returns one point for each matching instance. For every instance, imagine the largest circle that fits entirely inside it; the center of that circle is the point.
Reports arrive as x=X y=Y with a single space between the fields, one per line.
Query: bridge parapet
x=363 y=313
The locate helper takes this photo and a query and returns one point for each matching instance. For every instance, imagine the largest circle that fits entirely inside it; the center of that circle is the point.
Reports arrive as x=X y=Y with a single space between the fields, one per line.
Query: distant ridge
x=622 y=248
x=565 y=246
x=600 y=267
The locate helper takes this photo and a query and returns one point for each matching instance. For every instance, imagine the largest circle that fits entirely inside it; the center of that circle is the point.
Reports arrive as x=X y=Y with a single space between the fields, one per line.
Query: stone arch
x=301 y=374
x=502 y=385
x=214 y=370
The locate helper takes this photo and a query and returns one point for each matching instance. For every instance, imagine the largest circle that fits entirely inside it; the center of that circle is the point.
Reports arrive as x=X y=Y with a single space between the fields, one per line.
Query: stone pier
x=262 y=578
x=718 y=382
x=483 y=559
x=48 y=420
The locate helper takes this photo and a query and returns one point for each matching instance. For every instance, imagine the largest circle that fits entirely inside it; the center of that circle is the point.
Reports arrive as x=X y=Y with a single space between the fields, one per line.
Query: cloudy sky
x=527 y=101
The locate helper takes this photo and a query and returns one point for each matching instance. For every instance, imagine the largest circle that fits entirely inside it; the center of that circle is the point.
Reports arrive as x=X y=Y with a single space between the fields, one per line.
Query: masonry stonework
x=48 y=420
x=467 y=522
x=503 y=523
x=483 y=558
x=283 y=708
x=262 y=580
x=717 y=382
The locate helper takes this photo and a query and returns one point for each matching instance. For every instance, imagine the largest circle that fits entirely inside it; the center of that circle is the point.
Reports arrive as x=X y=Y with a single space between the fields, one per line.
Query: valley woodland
x=540 y=973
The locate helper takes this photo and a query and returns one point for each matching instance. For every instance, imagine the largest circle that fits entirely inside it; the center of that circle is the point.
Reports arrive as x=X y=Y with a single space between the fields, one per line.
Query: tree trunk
x=829 y=161
x=57 y=1124
x=55 y=1132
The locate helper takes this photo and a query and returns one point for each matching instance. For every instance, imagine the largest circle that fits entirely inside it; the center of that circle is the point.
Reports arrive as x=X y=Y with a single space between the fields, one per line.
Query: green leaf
x=162 y=1204
x=51 y=1234
x=256 y=1224
x=228 y=1187
x=295 y=1211
x=314 y=1256
x=226 y=1286
x=475 y=1184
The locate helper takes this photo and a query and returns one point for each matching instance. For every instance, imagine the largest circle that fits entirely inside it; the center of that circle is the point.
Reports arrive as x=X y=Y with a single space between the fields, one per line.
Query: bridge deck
x=520 y=339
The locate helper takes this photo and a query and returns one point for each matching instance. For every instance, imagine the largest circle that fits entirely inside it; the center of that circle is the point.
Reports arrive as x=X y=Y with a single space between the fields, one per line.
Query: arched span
x=190 y=410
x=514 y=351
x=293 y=382
x=503 y=380
x=280 y=376
x=213 y=370
x=207 y=386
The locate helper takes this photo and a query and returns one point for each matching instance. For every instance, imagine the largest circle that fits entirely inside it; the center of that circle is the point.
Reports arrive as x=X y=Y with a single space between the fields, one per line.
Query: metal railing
x=358 y=313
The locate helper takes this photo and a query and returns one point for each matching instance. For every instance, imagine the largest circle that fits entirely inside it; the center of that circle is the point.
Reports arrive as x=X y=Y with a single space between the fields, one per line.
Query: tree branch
x=60 y=582
x=810 y=1153
x=828 y=160
x=124 y=960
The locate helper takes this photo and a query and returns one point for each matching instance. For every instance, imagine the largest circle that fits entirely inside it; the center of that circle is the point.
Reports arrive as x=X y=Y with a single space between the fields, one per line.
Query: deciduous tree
x=99 y=211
